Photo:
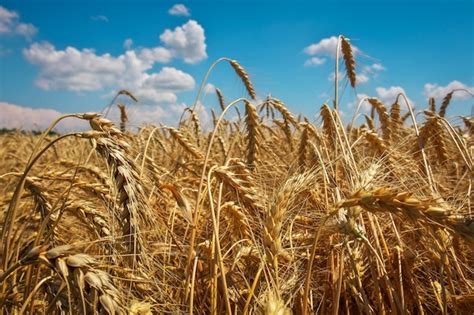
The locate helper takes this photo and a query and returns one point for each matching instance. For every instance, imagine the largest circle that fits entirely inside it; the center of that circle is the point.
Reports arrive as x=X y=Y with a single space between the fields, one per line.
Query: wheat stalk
x=240 y=71
x=349 y=60
x=252 y=134
x=383 y=116
x=220 y=98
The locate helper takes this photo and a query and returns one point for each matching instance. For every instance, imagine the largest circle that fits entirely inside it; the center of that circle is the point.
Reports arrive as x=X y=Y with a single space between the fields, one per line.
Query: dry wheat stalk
x=286 y=114
x=220 y=98
x=303 y=147
x=381 y=249
x=240 y=71
x=349 y=60
x=383 y=116
x=237 y=219
x=78 y=270
x=445 y=104
x=370 y=122
x=252 y=134
x=395 y=119
x=186 y=143
x=125 y=176
x=469 y=123
x=123 y=117
x=432 y=104
x=285 y=127
x=426 y=210
x=376 y=142
x=197 y=125
x=328 y=125
x=238 y=178
x=128 y=93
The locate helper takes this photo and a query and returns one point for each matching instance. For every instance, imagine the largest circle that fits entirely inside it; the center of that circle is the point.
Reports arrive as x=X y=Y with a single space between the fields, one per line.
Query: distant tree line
x=31 y=132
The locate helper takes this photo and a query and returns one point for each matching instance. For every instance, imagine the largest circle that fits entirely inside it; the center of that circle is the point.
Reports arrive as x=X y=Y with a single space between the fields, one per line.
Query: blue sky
x=69 y=56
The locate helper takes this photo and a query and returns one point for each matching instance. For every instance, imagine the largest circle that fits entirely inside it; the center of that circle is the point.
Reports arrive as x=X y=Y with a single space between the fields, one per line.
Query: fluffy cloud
x=79 y=70
x=170 y=79
x=385 y=95
x=10 y=24
x=157 y=54
x=365 y=106
x=326 y=47
x=26 y=118
x=84 y=70
x=389 y=95
x=439 y=92
x=364 y=76
x=374 y=68
x=187 y=42
x=179 y=10
x=314 y=61
x=209 y=89
x=332 y=76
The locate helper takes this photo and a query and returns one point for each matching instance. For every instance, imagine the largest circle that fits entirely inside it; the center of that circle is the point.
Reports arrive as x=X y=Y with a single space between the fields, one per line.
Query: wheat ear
x=240 y=71
x=252 y=133
x=349 y=60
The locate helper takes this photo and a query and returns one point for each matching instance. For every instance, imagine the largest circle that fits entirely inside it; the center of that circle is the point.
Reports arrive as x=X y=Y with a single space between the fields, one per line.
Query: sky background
x=72 y=56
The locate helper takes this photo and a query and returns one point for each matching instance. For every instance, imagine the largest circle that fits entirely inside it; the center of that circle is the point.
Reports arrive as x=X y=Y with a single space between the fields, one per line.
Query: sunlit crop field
x=263 y=212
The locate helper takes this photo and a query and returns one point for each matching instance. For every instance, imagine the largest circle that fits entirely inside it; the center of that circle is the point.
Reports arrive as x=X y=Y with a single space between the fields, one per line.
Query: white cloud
x=139 y=115
x=209 y=88
x=179 y=10
x=367 y=73
x=187 y=42
x=27 y=30
x=100 y=18
x=26 y=118
x=78 y=70
x=157 y=54
x=439 y=92
x=365 y=106
x=376 y=67
x=326 y=47
x=389 y=95
x=170 y=79
x=385 y=95
x=7 y=19
x=128 y=43
x=332 y=76
x=373 y=70
x=14 y=116
x=314 y=61
x=10 y=24
x=362 y=78
x=84 y=70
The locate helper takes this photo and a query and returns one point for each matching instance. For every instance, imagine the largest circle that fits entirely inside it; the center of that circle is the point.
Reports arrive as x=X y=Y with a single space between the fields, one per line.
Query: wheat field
x=265 y=212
